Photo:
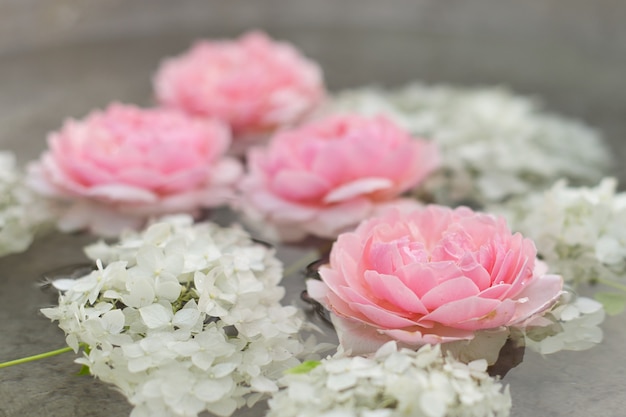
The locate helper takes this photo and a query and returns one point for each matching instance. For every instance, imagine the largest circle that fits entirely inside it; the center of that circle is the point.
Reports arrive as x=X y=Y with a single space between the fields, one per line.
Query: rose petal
x=380 y=317
x=356 y=188
x=121 y=193
x=134 y=162
x=449 y=291
x=342 y=167
x=537 y=296
x=298 y=185
x=340 y=218
x=356 y=337
x=417 y=336
x=392 y=289
x=500 y=316
x=459 y=311
x=496 y=292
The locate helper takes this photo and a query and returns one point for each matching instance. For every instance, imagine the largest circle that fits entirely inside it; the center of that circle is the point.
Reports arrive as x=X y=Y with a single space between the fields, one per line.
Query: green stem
x=36 y=357
x=291 y=269
x=613 y=284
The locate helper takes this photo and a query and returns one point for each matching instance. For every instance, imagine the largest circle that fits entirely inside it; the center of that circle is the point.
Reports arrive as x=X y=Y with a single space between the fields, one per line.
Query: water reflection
x=572 y=324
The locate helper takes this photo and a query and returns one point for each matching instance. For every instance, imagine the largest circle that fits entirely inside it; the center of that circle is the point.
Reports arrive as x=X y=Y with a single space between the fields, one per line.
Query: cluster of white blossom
x=579 y=232
x=576 y=326
x=22 y=213
x=183 y=318
x=392 y=383
x=493 y=144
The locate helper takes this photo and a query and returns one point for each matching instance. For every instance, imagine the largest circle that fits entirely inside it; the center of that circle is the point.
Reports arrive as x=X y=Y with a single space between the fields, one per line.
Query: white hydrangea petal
x=63 y=284
x=156 y=315
x=222 y=369
x=211 y=390
x=434 y=403
x=579 y=232
x=139 y=364
x=203 y=359
x=377 y=413
x=339 y=382
x=587 y=305
x=154 y=341
x=301 y=391
x=494 y=144
x=140 y=293
x=158 y=233
x=113 y=321
x=433 y=387
x=223 y=408
x=23 y=212
x=570 y=312
x=167 y=287
x=551 y=345
x=186 y=318
x=262 y=384
x=149 y=258
x=87 y=283
x=579 y=323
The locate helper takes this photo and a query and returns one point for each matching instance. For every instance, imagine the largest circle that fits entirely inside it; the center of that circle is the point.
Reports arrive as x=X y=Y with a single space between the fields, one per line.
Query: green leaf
x=84 y=371
x=614 y=303
x=304 y=367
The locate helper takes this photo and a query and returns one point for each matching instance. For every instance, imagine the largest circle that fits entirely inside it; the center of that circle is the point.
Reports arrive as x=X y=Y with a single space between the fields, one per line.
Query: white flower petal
x=213 y=390
x=156 y=315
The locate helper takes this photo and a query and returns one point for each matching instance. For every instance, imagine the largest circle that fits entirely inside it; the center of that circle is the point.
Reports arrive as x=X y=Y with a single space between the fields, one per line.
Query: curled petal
x=356 y=188
x=390 y=288
x=537 y=296
x=449 y=291
x=254 y=83
x=418 y=336
x=434 y=275
x=325 y=177
x=136 y=163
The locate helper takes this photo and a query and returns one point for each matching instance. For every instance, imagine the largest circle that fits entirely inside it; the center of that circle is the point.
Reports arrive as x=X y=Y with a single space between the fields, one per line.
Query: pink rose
x=115 y=168
x=254 y=84
x=324 y=178
x=433 y=275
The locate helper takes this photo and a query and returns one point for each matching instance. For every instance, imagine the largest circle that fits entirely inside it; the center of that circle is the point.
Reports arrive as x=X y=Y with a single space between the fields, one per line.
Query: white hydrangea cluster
x=493 y=144
x=392 y=383
x=183 y=318
x=22 y=213
x=576 y=327
x=579 y=232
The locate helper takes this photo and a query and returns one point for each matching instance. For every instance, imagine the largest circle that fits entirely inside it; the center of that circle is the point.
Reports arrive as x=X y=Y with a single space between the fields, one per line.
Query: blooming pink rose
x=115 y=168
x=254 y=83
x=324 y=178
x=433 y=275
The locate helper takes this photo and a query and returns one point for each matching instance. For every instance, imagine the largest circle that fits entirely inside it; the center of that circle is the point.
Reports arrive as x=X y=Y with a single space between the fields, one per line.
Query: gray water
x=42 y=85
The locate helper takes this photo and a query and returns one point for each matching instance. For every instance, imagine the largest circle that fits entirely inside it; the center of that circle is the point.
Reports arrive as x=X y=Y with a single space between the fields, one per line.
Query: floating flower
x=493 y=144
x=392 y=383
x=254 y=84
x=183 y=318
x=22 y=212
x=575 y=325
x=433 y=275
x=323 y=178
x=579 y=231
x=118 y=167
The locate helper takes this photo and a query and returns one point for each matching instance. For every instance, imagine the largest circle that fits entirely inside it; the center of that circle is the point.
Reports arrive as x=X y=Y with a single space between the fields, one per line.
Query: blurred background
x=61 y=58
